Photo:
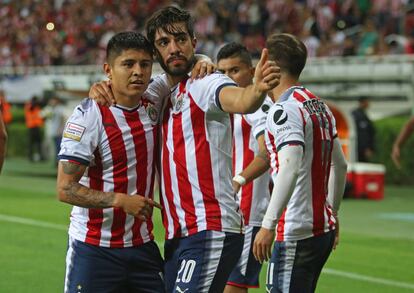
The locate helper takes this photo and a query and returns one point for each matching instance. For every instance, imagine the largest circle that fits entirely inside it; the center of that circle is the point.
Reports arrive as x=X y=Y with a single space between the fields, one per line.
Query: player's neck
x=285 y=83
x=173 y=80
x=127 y=102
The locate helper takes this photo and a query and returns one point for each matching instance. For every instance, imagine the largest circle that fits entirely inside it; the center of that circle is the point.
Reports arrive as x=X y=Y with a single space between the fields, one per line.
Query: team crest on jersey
x=179 y=102
x=280 y=116
x=152 y=112
x=73 y=131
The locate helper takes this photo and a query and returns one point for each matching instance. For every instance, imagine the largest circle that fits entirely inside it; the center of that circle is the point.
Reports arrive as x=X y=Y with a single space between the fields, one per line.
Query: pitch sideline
x=355 y=276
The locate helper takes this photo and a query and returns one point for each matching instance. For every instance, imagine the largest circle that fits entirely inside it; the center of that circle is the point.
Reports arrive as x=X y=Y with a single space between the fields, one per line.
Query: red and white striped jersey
x=254 y=196
x=117 y=145
x=301 y=118
x=196 y=158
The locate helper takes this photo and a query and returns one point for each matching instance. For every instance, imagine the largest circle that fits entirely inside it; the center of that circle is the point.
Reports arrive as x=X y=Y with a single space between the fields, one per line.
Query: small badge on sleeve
x=73 y=131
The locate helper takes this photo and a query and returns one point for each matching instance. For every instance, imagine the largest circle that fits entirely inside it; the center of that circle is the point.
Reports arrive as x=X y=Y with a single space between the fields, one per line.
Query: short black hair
x=165 y=19
x=234 y=50
x=288 y=52
x=125 y=41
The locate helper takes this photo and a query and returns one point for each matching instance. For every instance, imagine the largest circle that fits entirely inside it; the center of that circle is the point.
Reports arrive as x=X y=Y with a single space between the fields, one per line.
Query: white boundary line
x=30 y=222
x=368 y=278
x=42 y=224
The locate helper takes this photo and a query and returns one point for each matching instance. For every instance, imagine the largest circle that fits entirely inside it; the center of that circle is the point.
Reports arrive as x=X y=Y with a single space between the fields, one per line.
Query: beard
x=180 y=70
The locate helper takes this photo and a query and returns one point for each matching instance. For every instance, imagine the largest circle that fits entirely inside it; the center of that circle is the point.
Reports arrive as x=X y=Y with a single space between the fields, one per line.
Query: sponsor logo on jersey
x=265 y=108
x=73 y=131
x=280 y=116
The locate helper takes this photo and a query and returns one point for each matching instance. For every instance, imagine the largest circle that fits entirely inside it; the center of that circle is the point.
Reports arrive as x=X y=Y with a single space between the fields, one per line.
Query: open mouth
x=137 y=82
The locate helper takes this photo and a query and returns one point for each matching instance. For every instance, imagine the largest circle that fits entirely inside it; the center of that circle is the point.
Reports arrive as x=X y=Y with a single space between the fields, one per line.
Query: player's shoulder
x=86 y=107
x=214 y=79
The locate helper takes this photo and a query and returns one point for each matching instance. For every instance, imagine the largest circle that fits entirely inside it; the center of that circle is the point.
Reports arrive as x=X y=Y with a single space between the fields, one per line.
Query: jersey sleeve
x=158 y=90
x=81 y=134
x=334 y=130
x=206 y=91
x=285 y=123
x=258 y=119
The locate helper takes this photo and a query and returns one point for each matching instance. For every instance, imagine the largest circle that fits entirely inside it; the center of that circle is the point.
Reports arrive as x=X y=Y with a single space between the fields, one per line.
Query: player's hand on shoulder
x=202 y=68
x=262 y=246
x=101 y=92
x=267 y=73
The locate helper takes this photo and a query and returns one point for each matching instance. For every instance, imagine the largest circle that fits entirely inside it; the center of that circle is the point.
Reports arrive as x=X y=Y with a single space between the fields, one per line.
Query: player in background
x=249 y=159
x=308 y=170
x=106 y=170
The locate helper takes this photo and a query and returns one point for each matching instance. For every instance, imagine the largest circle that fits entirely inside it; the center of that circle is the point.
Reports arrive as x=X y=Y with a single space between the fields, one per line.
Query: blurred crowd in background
x=74 y=32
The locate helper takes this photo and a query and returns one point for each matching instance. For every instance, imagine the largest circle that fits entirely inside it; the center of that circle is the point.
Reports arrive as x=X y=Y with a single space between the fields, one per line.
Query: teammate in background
x=3 y=139
x=106 y=170
x=249 y=159
x=402 y=137
x=308 y=170
x=34 y=123
x=365 y=131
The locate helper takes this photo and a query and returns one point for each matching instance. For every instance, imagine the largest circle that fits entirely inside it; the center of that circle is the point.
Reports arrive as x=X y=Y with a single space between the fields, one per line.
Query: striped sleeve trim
x=218 y=93
x=74 y=159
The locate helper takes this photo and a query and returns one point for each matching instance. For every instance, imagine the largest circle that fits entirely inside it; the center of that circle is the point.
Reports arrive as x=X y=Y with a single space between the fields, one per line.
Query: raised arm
x=69 y=190
x=249 y=99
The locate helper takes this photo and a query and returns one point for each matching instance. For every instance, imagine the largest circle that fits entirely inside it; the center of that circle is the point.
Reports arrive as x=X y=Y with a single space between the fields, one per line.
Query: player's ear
x=194 y=42
x=107 y=70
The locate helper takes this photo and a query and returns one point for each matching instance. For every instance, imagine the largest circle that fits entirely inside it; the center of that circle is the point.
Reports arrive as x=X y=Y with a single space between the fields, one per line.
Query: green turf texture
x=377 y=237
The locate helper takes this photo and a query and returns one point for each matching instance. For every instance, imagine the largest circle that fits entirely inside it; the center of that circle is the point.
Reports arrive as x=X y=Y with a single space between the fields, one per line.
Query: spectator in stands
x=34 y=122
x=405 y=132
x=28 y=42
x=365 y=131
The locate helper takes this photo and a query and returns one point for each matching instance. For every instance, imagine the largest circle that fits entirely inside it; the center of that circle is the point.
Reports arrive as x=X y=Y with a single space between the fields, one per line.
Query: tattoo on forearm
x=86 y=197
x=80 y=195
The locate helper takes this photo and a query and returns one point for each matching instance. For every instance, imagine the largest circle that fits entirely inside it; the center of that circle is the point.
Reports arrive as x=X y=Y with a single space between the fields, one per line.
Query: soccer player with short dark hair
x=106 y=171
x=249 y=161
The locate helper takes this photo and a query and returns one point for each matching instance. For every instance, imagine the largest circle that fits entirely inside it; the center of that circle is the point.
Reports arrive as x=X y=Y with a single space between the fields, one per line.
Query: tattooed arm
x=71 y=191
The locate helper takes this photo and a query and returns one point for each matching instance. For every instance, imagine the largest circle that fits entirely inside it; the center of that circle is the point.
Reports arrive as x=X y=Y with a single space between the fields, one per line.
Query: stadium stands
x=75 y=32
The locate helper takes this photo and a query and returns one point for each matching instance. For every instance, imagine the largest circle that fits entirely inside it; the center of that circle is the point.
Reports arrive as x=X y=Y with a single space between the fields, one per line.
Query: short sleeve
x=206 y=91
x=81 y=134
x=285 y=123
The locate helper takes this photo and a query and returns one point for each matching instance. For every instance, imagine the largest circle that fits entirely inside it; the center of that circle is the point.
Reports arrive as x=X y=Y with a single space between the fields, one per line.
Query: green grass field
x=376 y=252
